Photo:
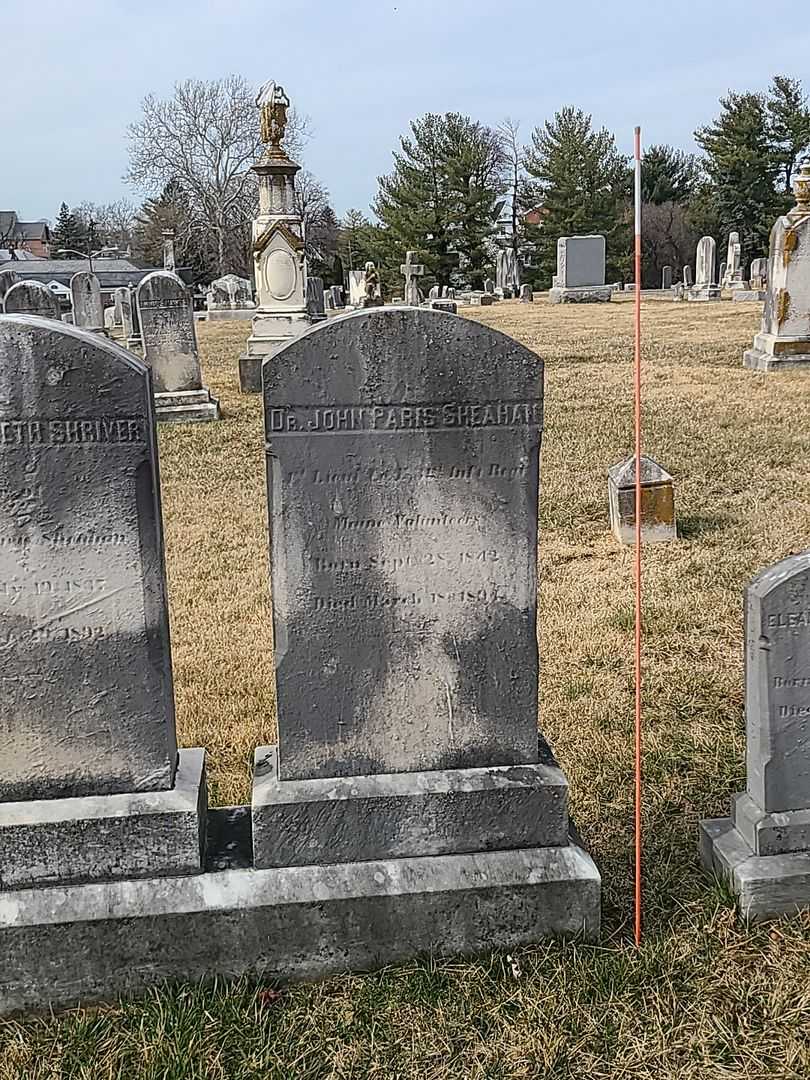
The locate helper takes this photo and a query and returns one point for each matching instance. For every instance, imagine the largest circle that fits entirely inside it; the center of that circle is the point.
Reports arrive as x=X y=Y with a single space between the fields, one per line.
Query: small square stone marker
x=657 y=502
x=764 y=847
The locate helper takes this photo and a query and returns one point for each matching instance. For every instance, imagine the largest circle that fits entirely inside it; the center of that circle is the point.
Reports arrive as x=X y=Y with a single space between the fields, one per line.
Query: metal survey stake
x=637 y=424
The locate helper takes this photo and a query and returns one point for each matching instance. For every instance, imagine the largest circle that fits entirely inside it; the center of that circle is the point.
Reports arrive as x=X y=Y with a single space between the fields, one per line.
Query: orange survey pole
x=637 y=419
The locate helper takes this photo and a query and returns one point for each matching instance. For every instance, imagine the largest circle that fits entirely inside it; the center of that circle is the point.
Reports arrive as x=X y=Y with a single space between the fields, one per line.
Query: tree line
x=457 y=190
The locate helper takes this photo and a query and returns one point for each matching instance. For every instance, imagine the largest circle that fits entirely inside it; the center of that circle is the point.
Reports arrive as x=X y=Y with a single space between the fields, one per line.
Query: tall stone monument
x=32 y=298
x=403 y=468
x=169 y=237
x=85 y=295
x=705 y=287
x=784 y=338
x=134 y=339
x=91 y=783
x=278 y=246
x=763 y=849
x=166 y=317
x=580 y=277
x=507 y=271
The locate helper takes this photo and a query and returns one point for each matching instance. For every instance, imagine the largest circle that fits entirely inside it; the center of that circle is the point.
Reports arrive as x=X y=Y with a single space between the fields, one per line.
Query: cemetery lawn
x=705 y=997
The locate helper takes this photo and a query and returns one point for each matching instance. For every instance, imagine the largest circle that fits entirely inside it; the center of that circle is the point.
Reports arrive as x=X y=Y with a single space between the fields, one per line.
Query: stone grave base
x=712 y=292
x=769 y=353
x=353 y=818
x=66 y=945
x=270 y=333
x=186 y=407
x=482 y=299
x=596 y=294
x=766 y=886
x=748 y=295
x=105 y=836
x=442 y=304
x=230 y=313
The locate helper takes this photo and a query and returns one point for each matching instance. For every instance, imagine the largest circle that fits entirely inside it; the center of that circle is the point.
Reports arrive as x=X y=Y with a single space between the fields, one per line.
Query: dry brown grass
x=706 y=997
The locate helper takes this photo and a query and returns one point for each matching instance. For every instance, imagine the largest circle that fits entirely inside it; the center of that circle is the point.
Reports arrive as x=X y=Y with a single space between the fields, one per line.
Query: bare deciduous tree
x=205 y=139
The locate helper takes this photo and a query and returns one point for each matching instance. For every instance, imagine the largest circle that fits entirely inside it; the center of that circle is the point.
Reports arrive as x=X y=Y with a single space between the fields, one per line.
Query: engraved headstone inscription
x=166 y=316
x=764 y=846
x=87 y=708
x=402 y=468
x=403 y=474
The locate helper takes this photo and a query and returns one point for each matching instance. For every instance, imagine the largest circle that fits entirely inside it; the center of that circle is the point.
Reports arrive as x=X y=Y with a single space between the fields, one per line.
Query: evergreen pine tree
x=744 y=164
x=67 y=233
x=789 y=118
x=440 y=199
x=584 y=184
x=668 y=175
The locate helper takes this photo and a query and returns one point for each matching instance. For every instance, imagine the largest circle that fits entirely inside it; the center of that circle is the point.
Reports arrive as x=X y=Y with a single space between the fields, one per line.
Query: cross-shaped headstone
x=411 y=271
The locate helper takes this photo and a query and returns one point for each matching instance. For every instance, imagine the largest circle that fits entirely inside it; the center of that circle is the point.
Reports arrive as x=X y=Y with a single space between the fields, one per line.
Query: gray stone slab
x=103 y=837
x=766 y=887
x=402 y=453
x=748 y=295
x=777 y=673
x=698 y=293
x=166 y=317
x=396 y=815
x=580 y=262
x=32 y=298
x=85 y=295
x=87 y=705
x=443 y=304
x=186 y=407
x=600 y=295
x=484 y=299
x=770 y=834
x=67 y=945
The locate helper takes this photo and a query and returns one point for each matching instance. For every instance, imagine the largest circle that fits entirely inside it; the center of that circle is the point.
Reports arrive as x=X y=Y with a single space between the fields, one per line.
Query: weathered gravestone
x=705 y=287
x=412 y=271
x=784 y=338
x=85 y=295
x=7 y=279
x=134 y=340
x=230 y=297
x=526 y=294
x=731 y=276
x=489 y=286
x=763 y=849
x=687 y=277
x=90 y=785
x=337 y=296
x=316 y=309
x=166 y=317
x=32 y=298
x=403 y=479
x=580 y=277
x=666 y=278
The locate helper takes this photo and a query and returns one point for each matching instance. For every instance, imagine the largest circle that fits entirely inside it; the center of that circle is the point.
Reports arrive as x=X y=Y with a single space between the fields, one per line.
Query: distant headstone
x=482 y=299
x=731 y=272
x=337 y=296
x=705 y=287
x=169 y=236
x=444 y=303
x=109 y=318
x=721 y=275
x=357 y=287
x=166 y=319
x=784 y=338
x=435 y=292
x=580 y=276
x=769 y=828
x=87 y=708
x=657 y=502
x=328 y=300
x=315 y=301
x=85 y=295
x=123 y=302
x=230 y=297
x=403 y=481
x=118 y=308
x=507 y=271
x=687 y=277
x=411 y=271
x=134 y=340
x=7 y=279
x=489 y=286
x=526 y=294
x=32 y=298
x=666 y=277
x=759 y=274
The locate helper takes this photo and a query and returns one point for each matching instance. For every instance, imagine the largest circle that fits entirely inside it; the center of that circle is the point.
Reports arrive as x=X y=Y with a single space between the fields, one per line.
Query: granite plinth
x=600 y=294
x=271 y=332
x=766 y=886
x=443 y=304
x=777 y=833
x=186 y=407
x=482 y=299
x=768 y=359
x=748 y=295
x=357 y=818
x=69 y=945
x=234 y=314
x=105 y=837
x=702 y=293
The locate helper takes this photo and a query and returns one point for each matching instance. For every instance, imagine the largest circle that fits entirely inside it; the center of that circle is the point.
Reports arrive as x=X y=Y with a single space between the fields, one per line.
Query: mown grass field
x=705 y=997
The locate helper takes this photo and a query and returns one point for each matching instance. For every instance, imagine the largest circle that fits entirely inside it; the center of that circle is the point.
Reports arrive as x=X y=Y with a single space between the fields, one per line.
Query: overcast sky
x=74 y=74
